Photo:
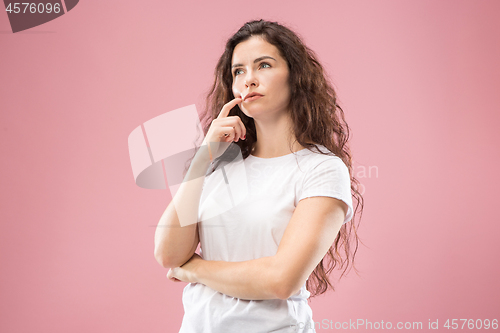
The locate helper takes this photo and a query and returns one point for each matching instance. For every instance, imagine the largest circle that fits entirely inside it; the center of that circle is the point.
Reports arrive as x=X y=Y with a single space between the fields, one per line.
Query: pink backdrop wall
x=419 y=83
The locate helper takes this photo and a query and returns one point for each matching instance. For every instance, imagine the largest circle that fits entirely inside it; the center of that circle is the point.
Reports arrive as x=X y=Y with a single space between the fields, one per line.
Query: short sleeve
x=329 y=178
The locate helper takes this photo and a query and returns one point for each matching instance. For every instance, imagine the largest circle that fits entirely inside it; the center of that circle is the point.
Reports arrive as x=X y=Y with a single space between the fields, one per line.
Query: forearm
x=174 y=244
x=176 y=234
x=256 y=279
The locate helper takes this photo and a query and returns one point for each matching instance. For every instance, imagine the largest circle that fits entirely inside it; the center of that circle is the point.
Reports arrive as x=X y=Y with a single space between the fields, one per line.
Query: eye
x=236 y=71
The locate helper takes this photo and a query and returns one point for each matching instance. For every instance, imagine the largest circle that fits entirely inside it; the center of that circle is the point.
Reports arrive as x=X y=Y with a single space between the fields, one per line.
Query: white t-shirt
x=244 y=210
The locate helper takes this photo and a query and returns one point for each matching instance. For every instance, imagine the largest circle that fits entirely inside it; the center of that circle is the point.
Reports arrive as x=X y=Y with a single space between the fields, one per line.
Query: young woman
x=262 y=256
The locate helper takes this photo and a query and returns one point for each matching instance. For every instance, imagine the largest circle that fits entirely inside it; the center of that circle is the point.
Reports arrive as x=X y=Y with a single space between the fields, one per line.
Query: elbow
x=285 y=287
x=283 y=291
x=286 y=293
x=163 y=260
x=282 y=294
x=167 y=261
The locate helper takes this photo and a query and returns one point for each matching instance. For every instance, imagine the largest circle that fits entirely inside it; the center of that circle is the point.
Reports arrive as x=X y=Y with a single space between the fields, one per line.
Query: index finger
x=227 y=107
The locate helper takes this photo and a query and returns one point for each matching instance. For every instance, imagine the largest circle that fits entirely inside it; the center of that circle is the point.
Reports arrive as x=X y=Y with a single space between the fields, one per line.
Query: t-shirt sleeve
x=330 y=178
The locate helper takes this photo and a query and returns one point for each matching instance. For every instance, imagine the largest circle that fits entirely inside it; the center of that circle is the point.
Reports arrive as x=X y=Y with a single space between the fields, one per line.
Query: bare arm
x=176 y=236
x=256 y=279
x=307 y=238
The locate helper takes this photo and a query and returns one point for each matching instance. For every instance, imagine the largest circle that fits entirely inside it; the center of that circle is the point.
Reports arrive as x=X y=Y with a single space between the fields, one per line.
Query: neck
x=275 y=137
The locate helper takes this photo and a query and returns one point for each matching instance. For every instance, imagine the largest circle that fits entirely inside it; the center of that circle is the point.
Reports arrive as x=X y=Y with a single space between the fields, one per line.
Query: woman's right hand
x=225 y=129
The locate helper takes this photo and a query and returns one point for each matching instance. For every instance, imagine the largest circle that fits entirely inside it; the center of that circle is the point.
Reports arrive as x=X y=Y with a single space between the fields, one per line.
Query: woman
x=265 y=254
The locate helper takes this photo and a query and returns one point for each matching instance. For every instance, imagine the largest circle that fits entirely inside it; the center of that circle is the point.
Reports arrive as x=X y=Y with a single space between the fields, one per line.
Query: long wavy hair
x=317 y=119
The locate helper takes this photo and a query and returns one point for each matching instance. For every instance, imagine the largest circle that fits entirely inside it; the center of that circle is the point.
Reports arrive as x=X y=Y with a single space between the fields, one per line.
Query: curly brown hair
x=317 y=119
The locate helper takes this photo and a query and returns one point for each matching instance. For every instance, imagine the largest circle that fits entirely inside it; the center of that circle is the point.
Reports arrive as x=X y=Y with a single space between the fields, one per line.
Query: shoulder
x=321 y=158
x=326 y=176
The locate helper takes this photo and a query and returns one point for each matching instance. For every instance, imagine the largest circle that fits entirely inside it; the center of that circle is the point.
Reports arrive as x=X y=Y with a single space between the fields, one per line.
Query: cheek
x=236 y=90
x=280 y=82
x=283 y=87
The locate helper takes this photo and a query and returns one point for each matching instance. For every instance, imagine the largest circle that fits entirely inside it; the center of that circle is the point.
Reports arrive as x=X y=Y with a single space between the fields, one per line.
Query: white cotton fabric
x=243 y=215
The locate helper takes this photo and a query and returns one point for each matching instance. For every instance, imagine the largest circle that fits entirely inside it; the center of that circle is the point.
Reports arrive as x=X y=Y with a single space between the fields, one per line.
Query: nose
x=251 y=80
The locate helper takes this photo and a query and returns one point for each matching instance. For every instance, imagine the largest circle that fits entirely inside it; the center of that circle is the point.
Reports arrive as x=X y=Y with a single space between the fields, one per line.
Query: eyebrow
x=256 y=60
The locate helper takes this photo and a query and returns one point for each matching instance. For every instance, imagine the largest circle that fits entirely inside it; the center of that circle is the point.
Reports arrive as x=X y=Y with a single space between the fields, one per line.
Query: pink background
x=419 y=83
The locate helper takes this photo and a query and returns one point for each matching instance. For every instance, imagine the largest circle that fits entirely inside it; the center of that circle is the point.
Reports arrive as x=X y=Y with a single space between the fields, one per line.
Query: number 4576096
x=33 y=8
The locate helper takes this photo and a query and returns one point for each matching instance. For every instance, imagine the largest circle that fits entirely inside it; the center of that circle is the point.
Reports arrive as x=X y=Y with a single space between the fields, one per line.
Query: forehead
x=253 y=48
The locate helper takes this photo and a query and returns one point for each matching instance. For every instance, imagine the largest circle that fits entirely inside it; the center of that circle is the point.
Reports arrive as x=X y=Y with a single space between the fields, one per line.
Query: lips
x=253 y=94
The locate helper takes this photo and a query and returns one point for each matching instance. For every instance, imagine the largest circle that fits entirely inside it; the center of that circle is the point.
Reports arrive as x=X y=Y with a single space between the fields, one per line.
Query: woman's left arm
x=311 y=231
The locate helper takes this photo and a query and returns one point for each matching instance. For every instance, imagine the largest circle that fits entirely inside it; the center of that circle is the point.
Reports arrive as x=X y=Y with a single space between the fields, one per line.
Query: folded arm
x=311 y=231
x=252 y=280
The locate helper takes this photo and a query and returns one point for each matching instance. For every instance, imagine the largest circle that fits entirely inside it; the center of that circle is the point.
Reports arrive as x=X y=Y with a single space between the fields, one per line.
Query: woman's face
x=257 y=67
